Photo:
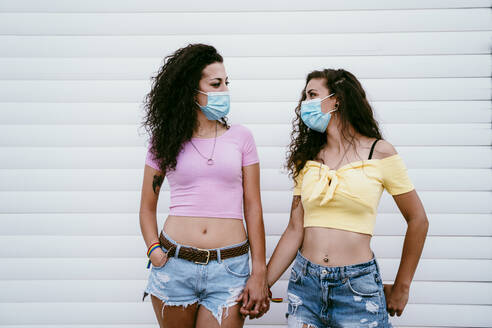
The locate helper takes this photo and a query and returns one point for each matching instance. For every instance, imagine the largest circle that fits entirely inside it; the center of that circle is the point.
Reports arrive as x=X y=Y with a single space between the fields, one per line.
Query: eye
x=216 y=85
x=227 y=83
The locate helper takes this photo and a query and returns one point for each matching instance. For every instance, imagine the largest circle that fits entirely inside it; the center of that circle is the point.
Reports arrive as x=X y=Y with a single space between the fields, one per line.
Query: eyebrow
x=219 y=78
x=311 y=90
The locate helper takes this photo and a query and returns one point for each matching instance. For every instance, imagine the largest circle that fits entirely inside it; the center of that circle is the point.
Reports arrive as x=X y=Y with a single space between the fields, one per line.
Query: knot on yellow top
x=328 y=179
x=327 y=183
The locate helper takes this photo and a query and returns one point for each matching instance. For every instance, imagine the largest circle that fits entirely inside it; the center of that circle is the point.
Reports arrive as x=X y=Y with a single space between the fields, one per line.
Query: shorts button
x=324 y=271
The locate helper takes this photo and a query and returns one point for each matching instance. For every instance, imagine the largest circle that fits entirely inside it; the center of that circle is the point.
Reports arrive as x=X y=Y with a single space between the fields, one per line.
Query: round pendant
x=210 y=161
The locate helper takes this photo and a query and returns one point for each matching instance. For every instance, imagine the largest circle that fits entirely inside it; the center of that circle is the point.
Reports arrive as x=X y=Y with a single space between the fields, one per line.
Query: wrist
x=259 y=269
x=401 y=287
x=157 y=254
x=152 y=248
x=274 y=299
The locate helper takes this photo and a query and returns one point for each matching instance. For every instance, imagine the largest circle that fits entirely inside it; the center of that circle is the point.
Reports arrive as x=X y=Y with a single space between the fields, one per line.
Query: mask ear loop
x=196 y=102
x=336 y=106
x=330 y=95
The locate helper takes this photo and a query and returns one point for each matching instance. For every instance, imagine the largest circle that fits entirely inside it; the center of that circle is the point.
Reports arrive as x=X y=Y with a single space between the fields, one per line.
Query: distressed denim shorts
x=346 y=296
x=215 y=285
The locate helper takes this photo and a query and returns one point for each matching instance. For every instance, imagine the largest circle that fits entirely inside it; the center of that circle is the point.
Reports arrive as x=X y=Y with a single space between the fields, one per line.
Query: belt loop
x=343 y=272
x=176 y=253
x=219 y=260
x=304 y=267
x=377 y=264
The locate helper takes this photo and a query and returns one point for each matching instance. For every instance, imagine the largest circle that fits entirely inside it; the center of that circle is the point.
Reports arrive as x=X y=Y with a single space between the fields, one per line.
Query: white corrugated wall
x=73 y=75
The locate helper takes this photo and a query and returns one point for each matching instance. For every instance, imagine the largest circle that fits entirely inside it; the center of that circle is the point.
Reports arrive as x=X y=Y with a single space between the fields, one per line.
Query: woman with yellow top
x=341 y=165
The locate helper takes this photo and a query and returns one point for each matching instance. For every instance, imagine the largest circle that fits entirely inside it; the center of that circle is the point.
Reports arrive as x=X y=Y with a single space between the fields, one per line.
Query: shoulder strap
x=372 y=148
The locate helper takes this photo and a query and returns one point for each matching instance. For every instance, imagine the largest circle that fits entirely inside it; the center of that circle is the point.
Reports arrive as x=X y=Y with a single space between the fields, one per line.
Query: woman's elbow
x=425 y=223
x=252 y=209
x=421 y=221
x=147 y=212
x=295 y=228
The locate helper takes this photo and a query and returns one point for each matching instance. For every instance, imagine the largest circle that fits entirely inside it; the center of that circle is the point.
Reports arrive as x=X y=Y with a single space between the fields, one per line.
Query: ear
x=197 y=93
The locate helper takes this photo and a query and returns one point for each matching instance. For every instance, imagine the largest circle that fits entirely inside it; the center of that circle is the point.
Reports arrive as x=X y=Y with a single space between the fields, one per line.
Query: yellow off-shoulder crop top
x=347 y=198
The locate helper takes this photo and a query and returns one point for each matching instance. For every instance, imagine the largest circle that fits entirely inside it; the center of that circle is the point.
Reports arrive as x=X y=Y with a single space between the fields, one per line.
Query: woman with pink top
x=200 y=260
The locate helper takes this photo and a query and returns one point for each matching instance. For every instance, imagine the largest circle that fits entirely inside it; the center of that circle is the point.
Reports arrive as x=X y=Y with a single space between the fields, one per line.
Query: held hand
x=158 y=258
x=254 y=298
x=396 y=299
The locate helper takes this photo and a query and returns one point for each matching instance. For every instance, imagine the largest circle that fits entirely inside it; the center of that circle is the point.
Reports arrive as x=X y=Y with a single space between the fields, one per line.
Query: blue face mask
x=218 y=104
x=312 y=115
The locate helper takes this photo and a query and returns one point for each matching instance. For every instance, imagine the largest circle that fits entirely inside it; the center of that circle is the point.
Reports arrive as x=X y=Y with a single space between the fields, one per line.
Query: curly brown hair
x=353 y=110
x=170 y=107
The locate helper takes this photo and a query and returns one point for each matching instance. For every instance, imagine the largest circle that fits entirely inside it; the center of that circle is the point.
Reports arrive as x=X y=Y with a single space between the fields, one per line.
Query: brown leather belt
x=201 y=256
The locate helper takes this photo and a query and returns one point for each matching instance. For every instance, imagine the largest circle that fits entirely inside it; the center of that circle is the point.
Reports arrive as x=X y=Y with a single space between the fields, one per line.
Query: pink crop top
x=202 y=190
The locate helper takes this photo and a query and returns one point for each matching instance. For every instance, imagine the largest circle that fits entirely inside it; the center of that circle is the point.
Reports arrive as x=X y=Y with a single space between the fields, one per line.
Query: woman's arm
x=411 y=207
x=255 y=294
x=151 y=187
x=289 y=243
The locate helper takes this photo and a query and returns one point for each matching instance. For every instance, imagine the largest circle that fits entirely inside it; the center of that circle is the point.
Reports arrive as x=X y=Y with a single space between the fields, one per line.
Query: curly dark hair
x=170 y=107
x=353 y=110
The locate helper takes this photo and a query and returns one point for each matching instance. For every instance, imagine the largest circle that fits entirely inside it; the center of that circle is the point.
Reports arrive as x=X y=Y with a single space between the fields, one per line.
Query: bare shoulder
x=384 y=149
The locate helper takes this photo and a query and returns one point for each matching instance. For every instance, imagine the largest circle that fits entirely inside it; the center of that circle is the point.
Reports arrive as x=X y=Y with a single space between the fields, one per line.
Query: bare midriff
x=335 y=247
x=206 y=233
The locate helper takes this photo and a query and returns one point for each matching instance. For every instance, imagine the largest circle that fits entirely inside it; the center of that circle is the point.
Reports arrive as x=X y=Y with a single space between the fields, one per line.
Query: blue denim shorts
x=345 y=296
x=215 y=285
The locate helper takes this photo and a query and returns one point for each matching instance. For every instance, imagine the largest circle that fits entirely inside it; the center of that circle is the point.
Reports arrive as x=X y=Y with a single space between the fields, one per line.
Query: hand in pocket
x=158 y=258
x=396 y=299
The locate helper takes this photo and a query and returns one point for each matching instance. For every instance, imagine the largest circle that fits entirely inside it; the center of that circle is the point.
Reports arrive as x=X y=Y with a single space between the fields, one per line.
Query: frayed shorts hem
x=185 y=304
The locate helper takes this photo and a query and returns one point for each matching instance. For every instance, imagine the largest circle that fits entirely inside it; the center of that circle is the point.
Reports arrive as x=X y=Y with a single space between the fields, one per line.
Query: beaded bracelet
x=150 y=250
